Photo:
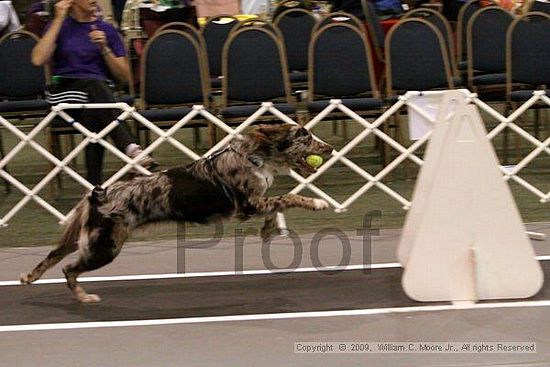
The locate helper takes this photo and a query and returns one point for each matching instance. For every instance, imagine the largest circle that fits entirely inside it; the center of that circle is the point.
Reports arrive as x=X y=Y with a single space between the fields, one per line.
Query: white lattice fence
x=370 y=128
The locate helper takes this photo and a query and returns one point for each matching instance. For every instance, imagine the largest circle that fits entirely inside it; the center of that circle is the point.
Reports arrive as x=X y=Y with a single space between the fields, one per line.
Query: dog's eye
x=283 y=145
x=301 y=132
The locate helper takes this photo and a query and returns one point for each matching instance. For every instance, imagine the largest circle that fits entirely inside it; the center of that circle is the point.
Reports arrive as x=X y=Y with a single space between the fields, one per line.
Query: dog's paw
x=267 y=233
x=320 y=204
x=25 y=278
x=88 y=298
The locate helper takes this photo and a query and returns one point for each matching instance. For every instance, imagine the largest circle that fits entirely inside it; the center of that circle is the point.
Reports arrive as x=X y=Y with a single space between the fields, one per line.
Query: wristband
x=106 y=51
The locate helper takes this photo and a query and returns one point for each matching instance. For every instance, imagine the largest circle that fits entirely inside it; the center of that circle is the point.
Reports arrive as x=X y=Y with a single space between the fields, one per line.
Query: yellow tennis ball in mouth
x=314 y=160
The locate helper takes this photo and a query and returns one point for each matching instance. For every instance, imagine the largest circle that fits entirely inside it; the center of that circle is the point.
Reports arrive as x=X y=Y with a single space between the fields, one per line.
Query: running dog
x=229 y=183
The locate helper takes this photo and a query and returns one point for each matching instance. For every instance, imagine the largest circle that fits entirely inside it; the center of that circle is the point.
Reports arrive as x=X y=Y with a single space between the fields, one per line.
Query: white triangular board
x=451 y=101
x=468 y=241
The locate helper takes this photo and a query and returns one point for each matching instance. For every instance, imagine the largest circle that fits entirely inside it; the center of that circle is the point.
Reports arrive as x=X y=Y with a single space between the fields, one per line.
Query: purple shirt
x=76 y=56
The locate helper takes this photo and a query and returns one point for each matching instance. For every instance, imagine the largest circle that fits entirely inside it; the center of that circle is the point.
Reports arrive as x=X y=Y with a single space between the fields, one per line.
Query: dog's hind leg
x=67 y=245
x=52 y=259
x=100 y=251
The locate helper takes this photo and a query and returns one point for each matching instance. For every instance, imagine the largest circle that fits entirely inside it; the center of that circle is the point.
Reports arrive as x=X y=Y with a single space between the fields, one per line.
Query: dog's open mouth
x=306 y=168
x=303 y=168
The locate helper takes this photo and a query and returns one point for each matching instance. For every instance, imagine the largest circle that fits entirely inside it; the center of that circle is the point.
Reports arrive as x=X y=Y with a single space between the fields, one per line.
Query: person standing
x=86 y=53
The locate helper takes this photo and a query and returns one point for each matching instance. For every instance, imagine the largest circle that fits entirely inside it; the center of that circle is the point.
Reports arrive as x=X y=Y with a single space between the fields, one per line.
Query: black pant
x=95 y=120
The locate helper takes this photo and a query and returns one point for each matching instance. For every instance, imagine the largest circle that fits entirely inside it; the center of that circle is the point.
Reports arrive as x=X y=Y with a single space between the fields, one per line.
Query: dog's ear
x=276 y=135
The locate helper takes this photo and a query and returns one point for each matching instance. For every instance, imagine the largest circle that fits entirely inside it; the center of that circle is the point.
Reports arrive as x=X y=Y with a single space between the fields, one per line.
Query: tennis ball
x=314 y=160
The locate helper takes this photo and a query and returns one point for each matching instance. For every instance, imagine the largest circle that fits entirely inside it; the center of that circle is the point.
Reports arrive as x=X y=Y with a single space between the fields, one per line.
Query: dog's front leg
x=270 y=227
x=269 y=205
x=272 y=205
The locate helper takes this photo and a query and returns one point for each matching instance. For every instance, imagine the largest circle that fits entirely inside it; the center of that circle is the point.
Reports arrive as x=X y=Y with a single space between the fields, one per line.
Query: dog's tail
x=74 y=224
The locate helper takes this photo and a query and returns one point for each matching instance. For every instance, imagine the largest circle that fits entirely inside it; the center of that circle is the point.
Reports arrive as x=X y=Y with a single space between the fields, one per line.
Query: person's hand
x=62 y=8
x=98 y=37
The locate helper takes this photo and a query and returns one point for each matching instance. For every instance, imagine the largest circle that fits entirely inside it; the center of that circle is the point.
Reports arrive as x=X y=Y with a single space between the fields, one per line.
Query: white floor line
x=218 y=273
x=207 y=274
x=272 y=316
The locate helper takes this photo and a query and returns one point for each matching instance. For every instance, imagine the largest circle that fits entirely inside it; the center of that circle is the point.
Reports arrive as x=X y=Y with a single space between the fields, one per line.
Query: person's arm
x=118 y=65
x=44 y=49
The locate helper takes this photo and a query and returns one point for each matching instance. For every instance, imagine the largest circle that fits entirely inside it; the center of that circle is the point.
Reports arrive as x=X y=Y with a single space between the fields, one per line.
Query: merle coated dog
x=229 y=183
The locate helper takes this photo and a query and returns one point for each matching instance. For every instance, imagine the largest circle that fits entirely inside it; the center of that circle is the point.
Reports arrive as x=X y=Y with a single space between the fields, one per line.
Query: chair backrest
x=174 y=70
x=528 y=51
x=416 y=57
x=19 y=78
x=464 y=15
x=543 y=7
x=189 y=29
x=254 y=67
x=340 y=64
x=486 y=40
x=442 y=24
x=258 y=23
x=339 y=17
x=215 y=33
x=295 y=25
x=289 y=4
x=180 y=26
x=375 y=30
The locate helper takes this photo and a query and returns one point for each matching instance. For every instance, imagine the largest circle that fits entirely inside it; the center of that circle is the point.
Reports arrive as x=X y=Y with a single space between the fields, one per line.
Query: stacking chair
x=255 y=70
x=464 y=15
x=527 y=60
x=443 y=26
x=174 y=77
x=528 y=55
x=340 y=66
x=416 y=58
x=215 y=33
x=486 y=40
x=543 y=7
x=296 y=25
x=22 y=84
x=339 y=17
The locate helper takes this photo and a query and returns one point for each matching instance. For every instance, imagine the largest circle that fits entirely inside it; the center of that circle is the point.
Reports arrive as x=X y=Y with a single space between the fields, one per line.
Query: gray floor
x=253 y=342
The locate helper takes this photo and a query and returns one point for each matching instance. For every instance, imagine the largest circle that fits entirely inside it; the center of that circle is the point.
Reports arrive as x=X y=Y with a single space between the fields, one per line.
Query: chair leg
x=345 y=130
x=505 y=137
x=547 y=123
x=537 y=123
x=334 y=128
x=72 y=145
x=147 y=137
x=196 y=137
x=2 y=155
x=212 y=132
x=384 y=148
x=517 y=142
